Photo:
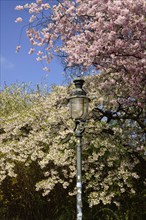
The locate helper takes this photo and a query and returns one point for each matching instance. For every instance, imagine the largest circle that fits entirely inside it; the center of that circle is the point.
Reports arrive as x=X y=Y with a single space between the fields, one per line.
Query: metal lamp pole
x=79 y=103
x=79 y=133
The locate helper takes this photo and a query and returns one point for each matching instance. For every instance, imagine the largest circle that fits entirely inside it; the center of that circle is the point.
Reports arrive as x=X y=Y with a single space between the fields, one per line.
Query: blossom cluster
x=108 y=35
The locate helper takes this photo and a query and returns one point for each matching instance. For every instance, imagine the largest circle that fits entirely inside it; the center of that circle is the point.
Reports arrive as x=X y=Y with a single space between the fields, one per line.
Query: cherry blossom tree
x=107 y=35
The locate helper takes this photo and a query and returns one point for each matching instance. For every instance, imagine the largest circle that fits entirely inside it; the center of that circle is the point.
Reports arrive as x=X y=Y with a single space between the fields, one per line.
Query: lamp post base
x=79 y=202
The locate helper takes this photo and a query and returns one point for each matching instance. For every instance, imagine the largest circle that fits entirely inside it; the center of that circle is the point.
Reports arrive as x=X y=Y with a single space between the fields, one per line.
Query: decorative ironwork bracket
x=79 y=127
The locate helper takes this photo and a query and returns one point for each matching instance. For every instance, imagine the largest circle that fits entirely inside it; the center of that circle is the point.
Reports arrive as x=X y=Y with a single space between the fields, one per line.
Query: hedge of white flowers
x=37 y=127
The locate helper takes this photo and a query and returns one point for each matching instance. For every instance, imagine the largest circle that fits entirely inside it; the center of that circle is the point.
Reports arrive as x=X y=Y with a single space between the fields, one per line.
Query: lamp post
x=79 y=104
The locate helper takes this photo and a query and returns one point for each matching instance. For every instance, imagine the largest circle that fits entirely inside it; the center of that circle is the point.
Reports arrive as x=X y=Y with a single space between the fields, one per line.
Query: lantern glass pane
x=79 y=107
x=76 y=107
x=86 y=106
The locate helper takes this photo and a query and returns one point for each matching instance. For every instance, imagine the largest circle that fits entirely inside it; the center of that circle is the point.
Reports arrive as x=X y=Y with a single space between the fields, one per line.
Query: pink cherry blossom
x=38 y=59
x=39 y=53
x=39 y=1
x=18 y=48
x=101 y=34
x=18 y=20
x=31 y=50
x=32 y=18
x=45 y=69
x=19 y=7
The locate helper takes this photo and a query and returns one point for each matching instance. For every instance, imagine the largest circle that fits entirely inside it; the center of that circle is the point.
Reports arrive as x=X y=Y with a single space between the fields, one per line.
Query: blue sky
x=21 y=67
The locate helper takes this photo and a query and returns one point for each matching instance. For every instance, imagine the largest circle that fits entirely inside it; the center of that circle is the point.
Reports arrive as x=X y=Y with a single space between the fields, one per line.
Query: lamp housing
x=78 y=101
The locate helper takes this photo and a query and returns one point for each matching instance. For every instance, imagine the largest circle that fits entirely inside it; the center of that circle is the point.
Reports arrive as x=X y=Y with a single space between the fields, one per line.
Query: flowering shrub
x=40 y=131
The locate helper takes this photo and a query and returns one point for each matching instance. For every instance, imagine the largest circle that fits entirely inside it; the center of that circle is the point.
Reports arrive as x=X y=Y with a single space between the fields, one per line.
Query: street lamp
x=79 y=104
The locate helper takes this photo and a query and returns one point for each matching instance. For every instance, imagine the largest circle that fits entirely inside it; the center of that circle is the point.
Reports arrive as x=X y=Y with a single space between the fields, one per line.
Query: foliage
x=37 y=151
